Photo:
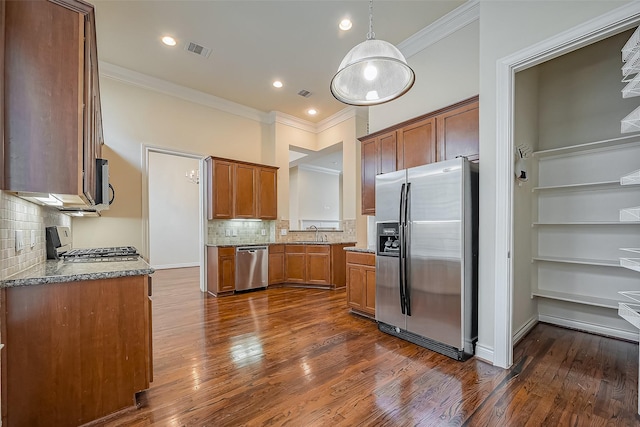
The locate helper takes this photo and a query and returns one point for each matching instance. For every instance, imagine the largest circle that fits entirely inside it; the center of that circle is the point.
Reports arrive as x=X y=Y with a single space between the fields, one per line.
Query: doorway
x=618 y=20
x=173 y=209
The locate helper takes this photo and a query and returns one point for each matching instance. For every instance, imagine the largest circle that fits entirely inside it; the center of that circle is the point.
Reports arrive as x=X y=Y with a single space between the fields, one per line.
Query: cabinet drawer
x=276 y=249
x=294 y=249
x=361 y=258
x=318 y=249
x=226 y=251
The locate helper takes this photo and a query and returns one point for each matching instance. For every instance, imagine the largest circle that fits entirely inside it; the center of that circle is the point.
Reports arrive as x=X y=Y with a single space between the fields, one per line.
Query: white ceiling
x=254 y=43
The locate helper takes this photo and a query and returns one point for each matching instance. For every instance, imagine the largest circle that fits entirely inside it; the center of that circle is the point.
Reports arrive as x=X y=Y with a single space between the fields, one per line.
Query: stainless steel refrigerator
x=427 y=256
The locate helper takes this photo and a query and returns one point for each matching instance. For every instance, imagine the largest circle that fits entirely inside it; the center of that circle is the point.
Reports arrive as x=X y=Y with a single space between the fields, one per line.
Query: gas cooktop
x=117 y=253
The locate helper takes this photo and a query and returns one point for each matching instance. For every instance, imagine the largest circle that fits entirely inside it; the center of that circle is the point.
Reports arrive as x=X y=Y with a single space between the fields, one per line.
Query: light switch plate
x=227 y=233
x=33 y=238
x=263 y=232
x=19 y=240
x=234 y=232
x=283 y=232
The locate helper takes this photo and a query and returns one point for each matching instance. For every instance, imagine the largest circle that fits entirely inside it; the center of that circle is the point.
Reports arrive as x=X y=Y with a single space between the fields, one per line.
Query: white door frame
x=146 y=150
x=604 y=26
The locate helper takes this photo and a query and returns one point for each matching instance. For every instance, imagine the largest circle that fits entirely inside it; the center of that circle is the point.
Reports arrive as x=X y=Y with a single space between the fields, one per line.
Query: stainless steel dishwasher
x=252 y=267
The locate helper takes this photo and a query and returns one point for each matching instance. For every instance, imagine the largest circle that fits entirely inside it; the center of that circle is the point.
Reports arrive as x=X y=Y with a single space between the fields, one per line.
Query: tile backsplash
x=221 y=232
x=233 y=232
x=18 y=214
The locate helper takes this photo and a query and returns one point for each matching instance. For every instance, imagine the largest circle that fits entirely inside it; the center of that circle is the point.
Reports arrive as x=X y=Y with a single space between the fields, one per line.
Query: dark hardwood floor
x=297 y=357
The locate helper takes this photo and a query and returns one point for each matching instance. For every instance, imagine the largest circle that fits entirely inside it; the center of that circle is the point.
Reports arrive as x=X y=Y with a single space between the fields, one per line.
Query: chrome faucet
x=315 y=228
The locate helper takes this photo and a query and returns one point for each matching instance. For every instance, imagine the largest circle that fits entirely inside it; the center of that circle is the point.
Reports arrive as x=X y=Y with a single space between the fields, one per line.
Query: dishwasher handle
x=250 y=248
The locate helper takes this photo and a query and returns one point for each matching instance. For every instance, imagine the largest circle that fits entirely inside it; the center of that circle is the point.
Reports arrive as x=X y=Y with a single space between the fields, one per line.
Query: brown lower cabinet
x=318 y=265
x=221 y=270
x=361 y=282
x=276 y=264
x=75 y=351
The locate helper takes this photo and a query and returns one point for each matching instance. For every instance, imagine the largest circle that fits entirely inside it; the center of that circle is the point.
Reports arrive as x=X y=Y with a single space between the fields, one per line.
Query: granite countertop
x=229 y=245
x=53 y=271
x=356 y=249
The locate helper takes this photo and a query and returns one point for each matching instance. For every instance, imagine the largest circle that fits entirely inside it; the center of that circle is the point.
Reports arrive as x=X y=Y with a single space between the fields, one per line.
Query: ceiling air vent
x=304 y=93
x=197 y=49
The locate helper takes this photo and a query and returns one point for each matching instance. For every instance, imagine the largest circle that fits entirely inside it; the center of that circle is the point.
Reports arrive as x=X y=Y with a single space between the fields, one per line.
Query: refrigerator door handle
x=407 y=243
x=401 y=257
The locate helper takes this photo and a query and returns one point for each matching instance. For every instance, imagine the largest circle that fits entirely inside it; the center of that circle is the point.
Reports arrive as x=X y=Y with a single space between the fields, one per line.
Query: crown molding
x=441 y=28
x=342 y=115
x=125 y=75
x=292 y=121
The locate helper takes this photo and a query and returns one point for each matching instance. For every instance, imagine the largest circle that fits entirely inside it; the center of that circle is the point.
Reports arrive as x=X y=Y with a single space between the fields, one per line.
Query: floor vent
x=197 y=49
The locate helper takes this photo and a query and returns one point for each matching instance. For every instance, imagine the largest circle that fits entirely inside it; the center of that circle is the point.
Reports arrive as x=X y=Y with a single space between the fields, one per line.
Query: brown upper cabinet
x=440 y=135
x=241 y=190
x=53 y=124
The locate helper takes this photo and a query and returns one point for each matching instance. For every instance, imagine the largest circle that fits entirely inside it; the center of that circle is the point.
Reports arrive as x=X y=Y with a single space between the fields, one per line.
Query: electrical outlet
x=19 y=240
x=283 y=232
x=33 y=238
x=227 y=233
x=234 y=232
x=263 y=232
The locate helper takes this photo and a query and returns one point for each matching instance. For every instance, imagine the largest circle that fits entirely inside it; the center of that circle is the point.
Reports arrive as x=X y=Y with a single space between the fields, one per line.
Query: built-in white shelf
x=537 y=224
x=632 y=178
x=630 y=214
x=629 y=312
x=576 y=298
x=582 y=186
x=634 y=250
x=582 y=261
x=632 y=88
x=631 y=263
x=605 y=143
x=631 y=46
x=631 y=123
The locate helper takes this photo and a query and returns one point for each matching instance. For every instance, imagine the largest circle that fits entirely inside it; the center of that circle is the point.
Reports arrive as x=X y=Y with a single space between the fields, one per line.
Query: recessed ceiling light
x=277 y=84
x=345 y=24
x=169 y=41
x=312 y=112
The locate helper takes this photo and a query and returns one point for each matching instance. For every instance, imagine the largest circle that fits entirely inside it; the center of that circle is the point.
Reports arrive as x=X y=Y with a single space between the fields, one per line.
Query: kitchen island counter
x=357 y=249
x=58 y=271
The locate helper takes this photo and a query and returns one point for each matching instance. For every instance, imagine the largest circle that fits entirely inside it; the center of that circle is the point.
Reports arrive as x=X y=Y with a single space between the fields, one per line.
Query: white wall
x=314 y=195
x=525 y=308
x=174 y=232
x=134 y=117
x=446 y=72
x=507 y=27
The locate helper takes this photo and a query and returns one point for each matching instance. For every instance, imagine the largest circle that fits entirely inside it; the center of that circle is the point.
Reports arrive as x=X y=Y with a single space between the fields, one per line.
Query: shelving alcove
x=581 y=218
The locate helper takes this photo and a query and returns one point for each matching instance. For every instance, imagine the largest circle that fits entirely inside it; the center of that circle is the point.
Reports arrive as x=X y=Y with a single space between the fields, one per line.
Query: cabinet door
x=356 y=289
x=276 y=264
x=318 y=267
x=295 y=264
x=245 y=191
x=369 y=275
x=90 y=118
x=220 y=179
x=226 y=269
x=44 y=87
x=417 y=144
x=458 y=133
x=388 y=150
x=369 y=158
x=267 y=193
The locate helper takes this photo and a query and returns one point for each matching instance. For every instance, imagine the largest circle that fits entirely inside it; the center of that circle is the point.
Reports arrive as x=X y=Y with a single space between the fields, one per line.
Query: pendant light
x=373 y=72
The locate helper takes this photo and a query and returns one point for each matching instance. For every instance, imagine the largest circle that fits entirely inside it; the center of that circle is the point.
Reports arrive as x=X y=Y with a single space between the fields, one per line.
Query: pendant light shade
x=373 y=72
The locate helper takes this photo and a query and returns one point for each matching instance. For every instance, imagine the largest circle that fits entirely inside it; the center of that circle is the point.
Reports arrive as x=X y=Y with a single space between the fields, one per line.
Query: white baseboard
x=589 y=327
x=524 y=329
x=484 y=353
x=168 y=266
